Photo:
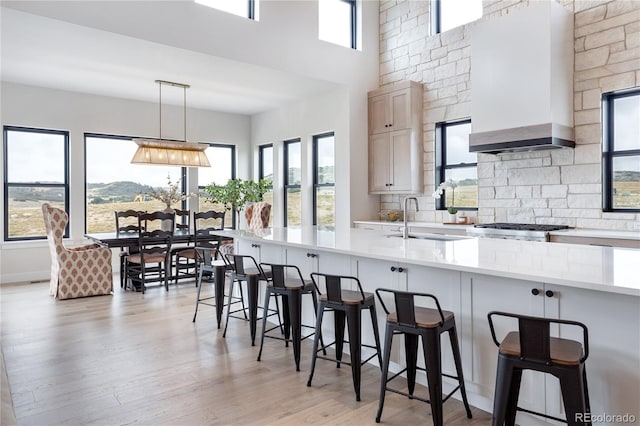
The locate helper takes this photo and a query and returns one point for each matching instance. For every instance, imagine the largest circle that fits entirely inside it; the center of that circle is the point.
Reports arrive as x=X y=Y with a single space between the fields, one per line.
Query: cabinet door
x=482 y=294
x=400 y=164
x=379 y=161
x=379 y=114
x=400 y=109
x=613 y=365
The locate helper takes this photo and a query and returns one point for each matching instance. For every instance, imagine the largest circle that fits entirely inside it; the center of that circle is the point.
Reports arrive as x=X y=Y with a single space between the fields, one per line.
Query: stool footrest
x=535 y=413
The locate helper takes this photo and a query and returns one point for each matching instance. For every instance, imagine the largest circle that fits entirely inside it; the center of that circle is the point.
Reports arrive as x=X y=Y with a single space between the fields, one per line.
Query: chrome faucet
x=405 y=228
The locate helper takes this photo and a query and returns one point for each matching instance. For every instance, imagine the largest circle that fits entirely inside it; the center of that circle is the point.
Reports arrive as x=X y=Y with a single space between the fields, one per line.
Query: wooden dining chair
x=152 y=263
x=126 y=224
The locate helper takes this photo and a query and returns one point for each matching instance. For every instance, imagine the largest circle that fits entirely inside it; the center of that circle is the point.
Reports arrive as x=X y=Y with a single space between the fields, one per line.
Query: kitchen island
x=599 y=286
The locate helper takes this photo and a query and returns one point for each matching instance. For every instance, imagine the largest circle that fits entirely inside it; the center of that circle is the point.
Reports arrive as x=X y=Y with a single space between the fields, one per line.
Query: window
x=36 y=170
x=621 y=151
x=244 y=8
x=223 y=167
x=454 y=161
x=337 y=22
x=324 y=180
x=292 y=181
x=265 y=171
x=112 y=183
x=448 y=14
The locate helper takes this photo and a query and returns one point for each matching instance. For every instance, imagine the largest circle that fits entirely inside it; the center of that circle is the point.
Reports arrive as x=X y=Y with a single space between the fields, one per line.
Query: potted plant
x=237 y=193
x=448 y=184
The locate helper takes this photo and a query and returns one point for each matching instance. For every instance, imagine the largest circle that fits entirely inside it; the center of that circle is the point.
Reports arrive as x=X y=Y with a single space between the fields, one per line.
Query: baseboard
x=30 y=276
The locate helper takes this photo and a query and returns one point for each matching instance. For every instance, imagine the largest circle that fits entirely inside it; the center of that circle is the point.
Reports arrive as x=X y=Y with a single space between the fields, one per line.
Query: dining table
x=130 y=239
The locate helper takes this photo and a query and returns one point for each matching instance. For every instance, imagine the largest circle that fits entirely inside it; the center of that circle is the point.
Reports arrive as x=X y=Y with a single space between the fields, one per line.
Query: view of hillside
x=24 y=203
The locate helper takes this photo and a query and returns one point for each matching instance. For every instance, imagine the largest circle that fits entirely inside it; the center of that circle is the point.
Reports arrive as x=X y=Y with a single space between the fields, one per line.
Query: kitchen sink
x=434 y=237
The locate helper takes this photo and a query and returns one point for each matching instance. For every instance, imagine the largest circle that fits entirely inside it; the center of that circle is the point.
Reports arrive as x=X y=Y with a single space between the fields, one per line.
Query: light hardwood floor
x=138 y=359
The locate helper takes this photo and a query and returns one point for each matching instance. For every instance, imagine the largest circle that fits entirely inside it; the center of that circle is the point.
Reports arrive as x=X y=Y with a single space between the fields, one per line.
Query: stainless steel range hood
x=522 y=80
x=519 y=139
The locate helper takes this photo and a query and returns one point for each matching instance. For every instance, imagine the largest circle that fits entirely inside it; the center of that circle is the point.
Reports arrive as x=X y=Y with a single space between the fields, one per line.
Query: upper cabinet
x=395 y=139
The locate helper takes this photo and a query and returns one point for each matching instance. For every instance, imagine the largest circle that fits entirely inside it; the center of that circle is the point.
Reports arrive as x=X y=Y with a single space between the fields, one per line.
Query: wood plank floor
x=139 y=359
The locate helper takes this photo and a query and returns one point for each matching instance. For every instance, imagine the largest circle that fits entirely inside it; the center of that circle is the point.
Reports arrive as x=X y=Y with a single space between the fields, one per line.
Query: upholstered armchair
x=79 y=271
x=257 y=215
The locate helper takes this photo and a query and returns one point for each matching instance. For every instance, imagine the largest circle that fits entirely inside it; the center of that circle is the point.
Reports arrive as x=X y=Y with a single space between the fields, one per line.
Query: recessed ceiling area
x=45 y=52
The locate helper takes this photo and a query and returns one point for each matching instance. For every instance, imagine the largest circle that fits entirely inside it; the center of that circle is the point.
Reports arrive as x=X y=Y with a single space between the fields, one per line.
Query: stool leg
x=339 y=319
x=512 y=403
x=315 y=306
x=355 y=337
x=453 y=338
x=286 y=319
x=295 y=303
x=267 y=294
x=376 y=332
x=433 y=359
x=229 y=300
x=502 y=390
x=199 y=284
x=316 y=338
x=572 y=387
x=244 y=309
x=388 y=340
x=411 y=357
x=586 y=388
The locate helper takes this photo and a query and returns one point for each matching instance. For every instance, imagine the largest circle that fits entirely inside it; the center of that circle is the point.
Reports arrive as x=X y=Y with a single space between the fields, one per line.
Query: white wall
x=79 y=114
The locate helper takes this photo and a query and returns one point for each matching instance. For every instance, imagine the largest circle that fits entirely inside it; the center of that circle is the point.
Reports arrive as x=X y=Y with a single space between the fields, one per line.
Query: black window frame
x=8 y=185
x=287 y=185
x=233 y=173
x=441 y=160
x=608 y=151
x=183 y=170
x=261 y=149
x=317 y=185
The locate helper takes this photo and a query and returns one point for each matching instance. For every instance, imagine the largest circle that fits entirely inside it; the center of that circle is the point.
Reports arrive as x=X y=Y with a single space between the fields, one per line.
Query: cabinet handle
x=312 y=255
x=549 y=293
x=393 y=269
x=400 y=269
x=255 y=245
x=535 y=291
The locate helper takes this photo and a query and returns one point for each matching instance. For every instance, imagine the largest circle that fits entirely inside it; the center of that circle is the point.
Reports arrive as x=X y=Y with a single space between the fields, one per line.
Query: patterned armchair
x=79 y=271
x=257 y=215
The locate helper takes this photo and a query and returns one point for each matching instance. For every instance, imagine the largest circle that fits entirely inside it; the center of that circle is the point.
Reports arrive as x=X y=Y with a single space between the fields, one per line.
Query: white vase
x=166 y=224
x=452 y=217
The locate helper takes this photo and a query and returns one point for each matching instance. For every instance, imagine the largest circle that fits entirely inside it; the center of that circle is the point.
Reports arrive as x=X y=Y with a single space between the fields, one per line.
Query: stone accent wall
x=555 y=186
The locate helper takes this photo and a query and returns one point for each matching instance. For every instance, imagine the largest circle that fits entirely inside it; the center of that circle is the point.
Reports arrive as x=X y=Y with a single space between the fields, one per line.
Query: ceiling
x=45 y=52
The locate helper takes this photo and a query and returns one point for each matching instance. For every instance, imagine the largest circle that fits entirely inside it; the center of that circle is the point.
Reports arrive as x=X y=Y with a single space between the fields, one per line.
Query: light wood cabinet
x=395 y=139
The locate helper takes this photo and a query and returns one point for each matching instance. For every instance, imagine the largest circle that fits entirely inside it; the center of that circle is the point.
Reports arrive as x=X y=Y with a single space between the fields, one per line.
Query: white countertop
x=609 y=269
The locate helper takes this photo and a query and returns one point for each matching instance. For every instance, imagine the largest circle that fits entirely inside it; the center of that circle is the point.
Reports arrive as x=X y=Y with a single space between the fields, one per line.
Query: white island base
x=599 y=286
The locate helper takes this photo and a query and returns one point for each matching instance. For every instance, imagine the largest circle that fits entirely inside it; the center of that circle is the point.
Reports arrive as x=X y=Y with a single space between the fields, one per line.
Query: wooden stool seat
x=425 y=317
x=351 y=297
x=149 y=258
x=563 y=351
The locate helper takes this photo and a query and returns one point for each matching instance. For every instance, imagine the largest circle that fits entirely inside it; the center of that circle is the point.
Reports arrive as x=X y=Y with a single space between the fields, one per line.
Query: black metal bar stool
x=413 y=322
x=345 y=304
x=290 y=288
x=532 y=348
x=211 y=261
x=252 y=275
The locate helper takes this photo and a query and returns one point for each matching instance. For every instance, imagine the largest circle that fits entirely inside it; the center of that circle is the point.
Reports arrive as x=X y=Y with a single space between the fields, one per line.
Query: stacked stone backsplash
x=556 y=186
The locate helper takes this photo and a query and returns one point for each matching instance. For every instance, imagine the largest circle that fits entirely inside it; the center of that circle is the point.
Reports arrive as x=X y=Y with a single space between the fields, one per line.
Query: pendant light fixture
x=169 y=152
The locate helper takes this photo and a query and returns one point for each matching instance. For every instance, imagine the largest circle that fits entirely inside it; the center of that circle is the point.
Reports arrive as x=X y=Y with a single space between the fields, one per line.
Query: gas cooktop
x=522 y=226
x=514 y=231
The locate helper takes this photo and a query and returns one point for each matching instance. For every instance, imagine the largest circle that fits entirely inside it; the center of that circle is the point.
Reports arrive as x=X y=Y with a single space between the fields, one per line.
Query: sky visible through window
x=236 y=7
x=334 y=22
x=454 y=13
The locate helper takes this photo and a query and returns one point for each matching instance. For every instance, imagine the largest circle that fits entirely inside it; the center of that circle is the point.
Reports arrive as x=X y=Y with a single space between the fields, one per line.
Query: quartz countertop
x=609 y=269
x=573 y=232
